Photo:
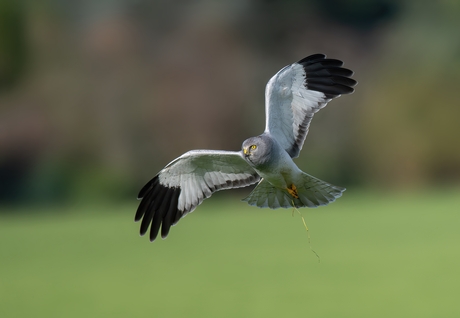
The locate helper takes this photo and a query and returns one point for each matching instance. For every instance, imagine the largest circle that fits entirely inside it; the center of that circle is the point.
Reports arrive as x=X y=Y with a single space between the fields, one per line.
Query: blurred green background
x=97 y=96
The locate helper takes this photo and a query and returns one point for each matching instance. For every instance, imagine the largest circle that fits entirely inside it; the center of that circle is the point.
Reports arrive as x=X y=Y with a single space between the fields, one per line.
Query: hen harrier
x=292 y=97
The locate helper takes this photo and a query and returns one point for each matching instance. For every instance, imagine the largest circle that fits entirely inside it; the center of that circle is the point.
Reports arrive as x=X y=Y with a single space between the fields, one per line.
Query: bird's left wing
x=297 y=92
x=185 y=182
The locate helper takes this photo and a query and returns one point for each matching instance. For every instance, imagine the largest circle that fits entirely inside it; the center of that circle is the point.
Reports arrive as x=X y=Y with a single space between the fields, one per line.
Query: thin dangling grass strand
x=306 y=228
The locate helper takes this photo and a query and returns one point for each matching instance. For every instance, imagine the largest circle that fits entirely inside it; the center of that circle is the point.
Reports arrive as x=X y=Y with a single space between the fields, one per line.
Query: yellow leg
x=293 y=191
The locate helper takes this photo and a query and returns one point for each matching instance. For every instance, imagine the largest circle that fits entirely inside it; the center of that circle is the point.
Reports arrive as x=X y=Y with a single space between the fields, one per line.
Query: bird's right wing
x=185 y=182
x=297 y=92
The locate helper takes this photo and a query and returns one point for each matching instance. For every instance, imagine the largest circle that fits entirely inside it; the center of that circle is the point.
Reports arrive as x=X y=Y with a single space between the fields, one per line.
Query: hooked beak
x=246 y=151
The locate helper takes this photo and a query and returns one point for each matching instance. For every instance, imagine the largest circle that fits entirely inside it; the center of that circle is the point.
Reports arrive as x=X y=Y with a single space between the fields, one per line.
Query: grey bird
x=292 y=97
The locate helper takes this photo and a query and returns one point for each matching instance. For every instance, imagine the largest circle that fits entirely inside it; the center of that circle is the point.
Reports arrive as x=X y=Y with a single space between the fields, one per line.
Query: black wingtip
x=327 y=76
x=158 y=208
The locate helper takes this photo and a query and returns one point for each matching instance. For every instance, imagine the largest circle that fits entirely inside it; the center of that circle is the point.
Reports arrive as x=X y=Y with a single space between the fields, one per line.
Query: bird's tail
x=310 y=192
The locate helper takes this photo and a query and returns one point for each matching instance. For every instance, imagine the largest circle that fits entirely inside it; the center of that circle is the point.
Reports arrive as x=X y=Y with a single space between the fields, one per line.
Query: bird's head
x=256 y=150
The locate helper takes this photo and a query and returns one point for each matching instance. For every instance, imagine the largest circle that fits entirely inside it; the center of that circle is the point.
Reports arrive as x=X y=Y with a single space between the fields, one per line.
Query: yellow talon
x=293 y=191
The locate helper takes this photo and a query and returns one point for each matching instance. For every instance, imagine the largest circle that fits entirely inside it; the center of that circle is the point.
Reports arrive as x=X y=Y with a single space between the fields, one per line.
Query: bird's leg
x=293 y=191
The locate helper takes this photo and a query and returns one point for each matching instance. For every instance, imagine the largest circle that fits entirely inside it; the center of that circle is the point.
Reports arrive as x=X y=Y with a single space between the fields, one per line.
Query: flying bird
x=292 y=97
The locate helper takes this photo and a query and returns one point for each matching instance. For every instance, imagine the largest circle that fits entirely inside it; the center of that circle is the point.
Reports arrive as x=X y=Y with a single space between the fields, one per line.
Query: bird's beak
x=246 y=150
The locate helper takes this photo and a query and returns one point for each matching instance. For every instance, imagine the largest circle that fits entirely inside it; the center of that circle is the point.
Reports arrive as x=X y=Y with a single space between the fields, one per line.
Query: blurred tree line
x=97 y=96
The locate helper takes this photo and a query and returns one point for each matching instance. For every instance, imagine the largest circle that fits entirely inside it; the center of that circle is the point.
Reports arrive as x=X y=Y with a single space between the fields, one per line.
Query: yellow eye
x=253 y=147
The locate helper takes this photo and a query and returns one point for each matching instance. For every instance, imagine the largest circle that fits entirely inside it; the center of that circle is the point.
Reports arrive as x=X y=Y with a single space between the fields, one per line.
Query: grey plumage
x=293 y=96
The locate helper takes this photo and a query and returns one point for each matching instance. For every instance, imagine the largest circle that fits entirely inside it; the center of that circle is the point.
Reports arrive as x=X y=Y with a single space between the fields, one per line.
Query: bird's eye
x=253 y=147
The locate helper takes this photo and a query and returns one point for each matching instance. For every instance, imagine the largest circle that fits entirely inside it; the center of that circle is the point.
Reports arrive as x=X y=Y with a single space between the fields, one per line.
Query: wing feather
x=297 y=92
x=184 y=183
x=168 y=219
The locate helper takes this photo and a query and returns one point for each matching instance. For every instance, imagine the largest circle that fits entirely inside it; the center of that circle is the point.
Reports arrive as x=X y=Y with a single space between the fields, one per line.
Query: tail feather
x=312 y=192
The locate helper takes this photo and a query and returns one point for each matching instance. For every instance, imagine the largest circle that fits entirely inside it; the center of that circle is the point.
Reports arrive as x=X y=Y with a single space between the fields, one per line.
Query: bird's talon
x=293 y=191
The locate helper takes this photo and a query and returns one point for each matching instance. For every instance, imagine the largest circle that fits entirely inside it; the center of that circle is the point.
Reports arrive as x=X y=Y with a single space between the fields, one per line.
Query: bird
x=292 y=97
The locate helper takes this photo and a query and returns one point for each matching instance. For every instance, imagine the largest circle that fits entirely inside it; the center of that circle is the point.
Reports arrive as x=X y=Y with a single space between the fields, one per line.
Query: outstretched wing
x=297 y=92
x=185 y=182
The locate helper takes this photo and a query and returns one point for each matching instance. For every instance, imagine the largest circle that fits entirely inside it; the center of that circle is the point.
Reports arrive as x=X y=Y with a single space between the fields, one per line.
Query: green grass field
x=382 y=255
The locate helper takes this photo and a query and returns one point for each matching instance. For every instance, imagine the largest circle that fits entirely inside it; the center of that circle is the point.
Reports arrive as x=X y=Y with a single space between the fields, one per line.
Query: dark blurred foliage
x=360 y=14
x=13 y=42
x=97 y=96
